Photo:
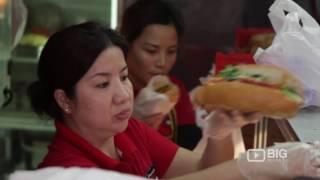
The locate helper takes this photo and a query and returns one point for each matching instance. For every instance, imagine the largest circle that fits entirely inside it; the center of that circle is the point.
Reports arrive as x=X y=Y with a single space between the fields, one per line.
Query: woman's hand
x=220 y=123
x=154 y=121
x=151 y=107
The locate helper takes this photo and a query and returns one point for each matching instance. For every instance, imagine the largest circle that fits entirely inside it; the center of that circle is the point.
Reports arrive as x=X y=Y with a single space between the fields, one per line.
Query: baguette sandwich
x=270 y=90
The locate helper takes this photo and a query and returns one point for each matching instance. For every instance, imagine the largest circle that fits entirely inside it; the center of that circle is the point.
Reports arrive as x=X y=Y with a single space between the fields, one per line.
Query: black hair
x=148 y=12
x=65 y=58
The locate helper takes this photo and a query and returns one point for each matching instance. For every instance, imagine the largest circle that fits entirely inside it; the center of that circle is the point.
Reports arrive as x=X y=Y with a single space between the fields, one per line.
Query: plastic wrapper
x=149 y=102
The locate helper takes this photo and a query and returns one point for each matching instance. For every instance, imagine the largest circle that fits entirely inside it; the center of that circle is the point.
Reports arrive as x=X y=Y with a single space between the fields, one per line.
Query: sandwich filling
x=164 y=88
x=232 y=73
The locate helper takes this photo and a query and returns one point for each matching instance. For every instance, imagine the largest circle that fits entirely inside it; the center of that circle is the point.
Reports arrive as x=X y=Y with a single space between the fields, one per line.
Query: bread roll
x=276 y=93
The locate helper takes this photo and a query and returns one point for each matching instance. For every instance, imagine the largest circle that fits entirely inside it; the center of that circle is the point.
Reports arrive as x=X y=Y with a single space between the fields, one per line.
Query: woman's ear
x=63 y=101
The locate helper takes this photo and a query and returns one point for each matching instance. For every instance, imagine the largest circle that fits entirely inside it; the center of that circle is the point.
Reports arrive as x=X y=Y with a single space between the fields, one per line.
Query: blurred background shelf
x=26 y=121
x=27 y=60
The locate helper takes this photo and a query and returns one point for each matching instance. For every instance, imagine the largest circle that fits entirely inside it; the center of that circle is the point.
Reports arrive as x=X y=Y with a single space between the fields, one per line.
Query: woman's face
x=104 y=97
x=154 y=52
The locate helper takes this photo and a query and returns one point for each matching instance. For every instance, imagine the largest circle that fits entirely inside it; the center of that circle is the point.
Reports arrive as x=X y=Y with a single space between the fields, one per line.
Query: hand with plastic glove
x=298 y=159
x=151 y=106
x=220 y=123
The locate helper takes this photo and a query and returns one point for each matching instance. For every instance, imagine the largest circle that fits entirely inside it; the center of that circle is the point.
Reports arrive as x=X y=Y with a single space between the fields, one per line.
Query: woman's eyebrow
x=151 y=45
x=101 y=74
x=124 y=68
x=107 y=73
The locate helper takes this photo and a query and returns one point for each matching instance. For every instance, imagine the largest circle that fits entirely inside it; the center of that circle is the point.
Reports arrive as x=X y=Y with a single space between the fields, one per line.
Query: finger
x=154 y=121
x=153 y=116
x=239 y=118
x=220 y=114
x=209 y=108
x=315 y=161
x=242 y=119
x=232 y=116
x=316 y=144
x=253 y=117
x=206 y=116
x=312 y=173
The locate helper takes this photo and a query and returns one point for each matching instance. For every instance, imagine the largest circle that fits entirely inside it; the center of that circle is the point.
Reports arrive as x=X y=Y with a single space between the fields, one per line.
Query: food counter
x=304 y=127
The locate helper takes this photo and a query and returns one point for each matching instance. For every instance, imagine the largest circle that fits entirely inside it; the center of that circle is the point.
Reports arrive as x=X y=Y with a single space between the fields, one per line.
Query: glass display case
x=44 y=18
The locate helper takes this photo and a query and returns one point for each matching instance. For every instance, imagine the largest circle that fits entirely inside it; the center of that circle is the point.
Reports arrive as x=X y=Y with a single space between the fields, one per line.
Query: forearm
x=201 y=146
x=227 y=171
x=214 y=151
x=217 y=151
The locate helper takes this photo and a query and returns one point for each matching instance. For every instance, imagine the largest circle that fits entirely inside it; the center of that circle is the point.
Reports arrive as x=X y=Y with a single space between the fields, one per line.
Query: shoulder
x=66 y=150
x=65 y=157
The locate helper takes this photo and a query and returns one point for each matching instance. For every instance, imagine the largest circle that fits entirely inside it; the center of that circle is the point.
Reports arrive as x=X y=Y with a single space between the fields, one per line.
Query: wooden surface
x=274 y=134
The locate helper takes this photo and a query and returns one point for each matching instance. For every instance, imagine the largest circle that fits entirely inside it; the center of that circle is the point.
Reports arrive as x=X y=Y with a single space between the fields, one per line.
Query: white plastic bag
x=296 y=46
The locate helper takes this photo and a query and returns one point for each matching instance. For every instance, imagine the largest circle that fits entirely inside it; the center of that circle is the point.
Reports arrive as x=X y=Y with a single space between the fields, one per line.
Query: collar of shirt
x=122 y=142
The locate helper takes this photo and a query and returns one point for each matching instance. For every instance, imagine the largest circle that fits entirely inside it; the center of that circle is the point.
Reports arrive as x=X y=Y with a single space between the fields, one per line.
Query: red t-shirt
x=144 y=151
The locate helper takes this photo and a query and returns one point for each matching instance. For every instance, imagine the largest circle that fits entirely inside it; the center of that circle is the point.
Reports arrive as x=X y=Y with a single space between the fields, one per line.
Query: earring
x=67 y=110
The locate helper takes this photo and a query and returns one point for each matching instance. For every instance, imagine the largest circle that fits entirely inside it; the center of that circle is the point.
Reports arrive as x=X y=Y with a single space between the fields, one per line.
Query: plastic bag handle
x=278 y=16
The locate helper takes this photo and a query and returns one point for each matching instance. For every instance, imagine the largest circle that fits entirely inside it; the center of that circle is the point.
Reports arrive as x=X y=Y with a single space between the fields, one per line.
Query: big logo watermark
x=260 y=155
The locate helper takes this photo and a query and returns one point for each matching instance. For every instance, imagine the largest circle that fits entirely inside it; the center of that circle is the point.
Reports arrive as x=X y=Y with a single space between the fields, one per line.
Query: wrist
x=217 y=133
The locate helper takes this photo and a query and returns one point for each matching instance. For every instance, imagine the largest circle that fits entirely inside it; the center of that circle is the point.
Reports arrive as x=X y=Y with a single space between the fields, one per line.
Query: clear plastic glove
x=150 y=105
x=298 y=159
x=221 y=123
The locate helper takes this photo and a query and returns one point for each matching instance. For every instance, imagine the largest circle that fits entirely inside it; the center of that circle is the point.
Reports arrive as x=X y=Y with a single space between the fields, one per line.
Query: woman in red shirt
x=153 y=30
x=83 y=85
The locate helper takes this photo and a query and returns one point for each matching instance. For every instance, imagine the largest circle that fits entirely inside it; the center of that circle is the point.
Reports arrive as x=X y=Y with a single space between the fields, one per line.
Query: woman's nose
x=122 y=94
x=161 y=62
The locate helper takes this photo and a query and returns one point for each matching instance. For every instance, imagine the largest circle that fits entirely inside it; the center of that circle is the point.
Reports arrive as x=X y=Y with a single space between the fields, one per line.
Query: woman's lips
x=123 y=115
x=156 y=74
